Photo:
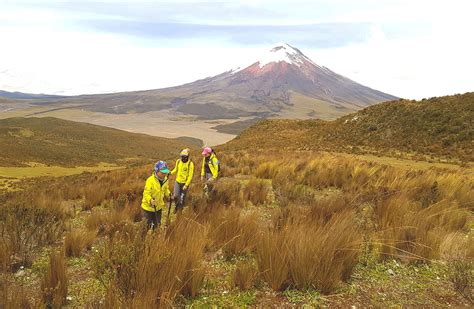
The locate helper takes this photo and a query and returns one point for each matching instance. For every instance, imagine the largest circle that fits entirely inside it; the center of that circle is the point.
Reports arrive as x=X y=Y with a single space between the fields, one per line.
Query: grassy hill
x=441 y=126
x=60 y=142
x=280 y=229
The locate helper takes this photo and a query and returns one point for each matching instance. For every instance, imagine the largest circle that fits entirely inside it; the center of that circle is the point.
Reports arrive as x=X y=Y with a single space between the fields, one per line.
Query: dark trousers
x=153 y=219
x=179 y=195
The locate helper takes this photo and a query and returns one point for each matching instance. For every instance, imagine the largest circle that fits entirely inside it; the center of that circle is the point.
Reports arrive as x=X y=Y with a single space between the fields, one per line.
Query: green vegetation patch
x=308 y=297
x=225 y=300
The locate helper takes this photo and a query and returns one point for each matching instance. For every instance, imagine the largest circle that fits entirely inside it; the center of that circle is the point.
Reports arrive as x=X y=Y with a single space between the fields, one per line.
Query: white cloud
x=436 y=64
x=42 y=52
x=45 y=61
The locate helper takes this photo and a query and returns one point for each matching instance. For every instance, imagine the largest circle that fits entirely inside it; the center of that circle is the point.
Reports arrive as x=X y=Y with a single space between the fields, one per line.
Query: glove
x=185 y=188
x=153 y=201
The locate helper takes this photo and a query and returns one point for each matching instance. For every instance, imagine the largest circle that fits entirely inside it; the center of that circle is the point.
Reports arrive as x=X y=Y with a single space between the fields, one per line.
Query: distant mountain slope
x=283 y=83
x=27 y=96
x=66 y=143
x=442 y=126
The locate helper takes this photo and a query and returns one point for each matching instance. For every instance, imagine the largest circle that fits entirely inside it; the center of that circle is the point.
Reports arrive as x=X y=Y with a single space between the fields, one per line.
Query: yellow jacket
x=154 y=189
x=185 y=172
x=213 y=166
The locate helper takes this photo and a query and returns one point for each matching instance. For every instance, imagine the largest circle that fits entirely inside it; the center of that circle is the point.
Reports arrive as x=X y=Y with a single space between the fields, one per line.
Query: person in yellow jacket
x=154 y=194
x=184 y=170
x=210 y=168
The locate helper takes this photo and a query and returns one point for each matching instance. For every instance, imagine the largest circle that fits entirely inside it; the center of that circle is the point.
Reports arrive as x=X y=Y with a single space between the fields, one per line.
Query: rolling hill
x=441 y=126
x=60 y=142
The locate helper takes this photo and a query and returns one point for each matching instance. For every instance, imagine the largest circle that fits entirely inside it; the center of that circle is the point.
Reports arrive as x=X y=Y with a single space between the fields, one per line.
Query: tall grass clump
x=54 y=284
x=272 y=259
x=28 y=224
x=107 y=222
x=94 y=194
x=458 y=251
x=76 y=241
x=153 y=268
x=12 y=297
x=244 y=275
x=323 y=256
x=5 y=256
x=411 y=232
x=233 y=231
x=226 y=192
x=256 y=191
x=305 y=254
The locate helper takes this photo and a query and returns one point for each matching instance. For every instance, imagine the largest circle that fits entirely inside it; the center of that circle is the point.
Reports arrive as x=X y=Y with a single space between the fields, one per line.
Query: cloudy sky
x=412 y=49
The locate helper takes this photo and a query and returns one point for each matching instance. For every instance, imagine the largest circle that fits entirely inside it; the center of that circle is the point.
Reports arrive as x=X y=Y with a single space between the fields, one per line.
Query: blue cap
x=161 y=166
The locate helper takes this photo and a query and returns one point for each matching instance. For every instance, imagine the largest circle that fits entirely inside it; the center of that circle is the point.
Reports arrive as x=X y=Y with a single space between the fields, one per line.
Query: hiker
x=184 y=170
x=156 y=189
x=210 y=168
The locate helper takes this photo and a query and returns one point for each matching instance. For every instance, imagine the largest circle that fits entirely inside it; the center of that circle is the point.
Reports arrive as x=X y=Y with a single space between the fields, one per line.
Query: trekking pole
x=169 y=211
x=156 y=217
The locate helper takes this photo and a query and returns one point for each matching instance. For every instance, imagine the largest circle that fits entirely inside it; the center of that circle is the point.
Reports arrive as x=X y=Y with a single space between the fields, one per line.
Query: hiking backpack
x=218 y=162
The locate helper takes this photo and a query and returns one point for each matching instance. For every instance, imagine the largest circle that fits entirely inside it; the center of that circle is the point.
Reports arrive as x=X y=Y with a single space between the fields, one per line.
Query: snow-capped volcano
x=286 y=53
x=284 y=71
x=282 y=82
x=281 y=53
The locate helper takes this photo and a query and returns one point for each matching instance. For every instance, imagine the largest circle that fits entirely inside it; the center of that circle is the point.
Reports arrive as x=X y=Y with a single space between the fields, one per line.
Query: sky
x=411 y=49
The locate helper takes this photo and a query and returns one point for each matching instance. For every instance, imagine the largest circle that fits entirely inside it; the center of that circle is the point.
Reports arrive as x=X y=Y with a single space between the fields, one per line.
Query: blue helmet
x=161 y=166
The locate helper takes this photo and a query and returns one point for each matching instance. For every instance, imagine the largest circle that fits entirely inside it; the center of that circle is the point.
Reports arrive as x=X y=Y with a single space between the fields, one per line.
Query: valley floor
x=162 y=124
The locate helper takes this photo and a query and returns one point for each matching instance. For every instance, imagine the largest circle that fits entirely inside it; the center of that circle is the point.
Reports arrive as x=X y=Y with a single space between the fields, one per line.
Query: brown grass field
x=280 y=229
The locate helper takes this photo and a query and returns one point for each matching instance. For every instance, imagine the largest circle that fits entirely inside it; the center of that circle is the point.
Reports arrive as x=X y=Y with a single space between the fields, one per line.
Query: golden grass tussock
x=226 y=192
x=272 y=259
x=94 y=195
x=458 y=250
x=322 y=257
x=54 y=284
x=5 y=255
x=245 y=275
x=133 y=211
x=76 y=241
x=153 y=268
x=323 y=209
x=307 y=255
x=256 y=191
x=409 y=231
x=234 y=231
x=14 y=297
x=29 y=223
x=107 y=222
